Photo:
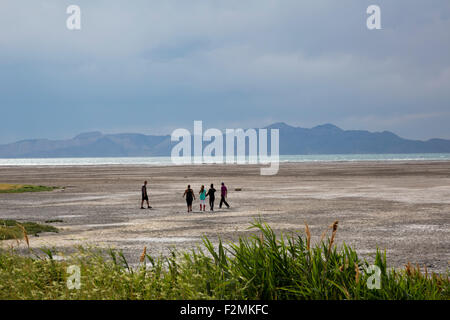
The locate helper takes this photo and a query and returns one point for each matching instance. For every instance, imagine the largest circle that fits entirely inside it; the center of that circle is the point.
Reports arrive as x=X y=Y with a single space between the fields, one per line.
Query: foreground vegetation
x=19 y=188
x=259 y=267
x=12 y=229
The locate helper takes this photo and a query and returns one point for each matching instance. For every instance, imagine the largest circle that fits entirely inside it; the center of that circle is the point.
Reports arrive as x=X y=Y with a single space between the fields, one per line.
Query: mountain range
x=322 y=139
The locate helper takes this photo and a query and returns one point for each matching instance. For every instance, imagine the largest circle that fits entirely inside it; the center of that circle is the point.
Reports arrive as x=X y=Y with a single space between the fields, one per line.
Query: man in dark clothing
x=211 y=196
x=145 y=196
x=223 y=196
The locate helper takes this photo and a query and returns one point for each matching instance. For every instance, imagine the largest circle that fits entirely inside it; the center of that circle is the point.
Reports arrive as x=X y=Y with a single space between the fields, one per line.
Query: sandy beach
x=403 y=207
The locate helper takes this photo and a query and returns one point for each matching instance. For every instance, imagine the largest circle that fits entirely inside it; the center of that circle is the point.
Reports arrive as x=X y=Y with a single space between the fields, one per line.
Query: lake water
x=166 y=161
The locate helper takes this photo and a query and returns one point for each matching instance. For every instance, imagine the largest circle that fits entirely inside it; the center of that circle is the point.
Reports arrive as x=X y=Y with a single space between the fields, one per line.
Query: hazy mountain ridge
x=322 y=139
x=329 y=139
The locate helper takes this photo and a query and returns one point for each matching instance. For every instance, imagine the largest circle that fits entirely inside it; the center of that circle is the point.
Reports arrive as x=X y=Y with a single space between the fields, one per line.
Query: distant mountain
x=323 y=139
x=91 y=144
x=329 y=139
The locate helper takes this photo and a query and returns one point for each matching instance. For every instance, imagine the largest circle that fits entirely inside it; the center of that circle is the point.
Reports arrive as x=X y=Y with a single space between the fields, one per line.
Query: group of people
x=190 y=197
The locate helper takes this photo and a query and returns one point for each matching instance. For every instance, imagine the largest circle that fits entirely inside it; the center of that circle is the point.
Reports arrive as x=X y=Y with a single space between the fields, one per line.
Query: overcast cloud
x=152 y=66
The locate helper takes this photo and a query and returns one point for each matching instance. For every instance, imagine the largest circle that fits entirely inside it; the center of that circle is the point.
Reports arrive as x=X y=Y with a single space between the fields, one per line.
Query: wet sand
x=403 y=207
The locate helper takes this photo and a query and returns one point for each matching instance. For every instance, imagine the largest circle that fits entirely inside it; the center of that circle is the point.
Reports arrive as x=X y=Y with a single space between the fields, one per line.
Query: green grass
x=20 y=188
x=11 y=229
x=262 y=266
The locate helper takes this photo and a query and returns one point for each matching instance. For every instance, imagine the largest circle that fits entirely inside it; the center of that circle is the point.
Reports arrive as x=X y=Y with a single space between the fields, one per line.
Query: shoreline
x=194 y=165
x=165 y=161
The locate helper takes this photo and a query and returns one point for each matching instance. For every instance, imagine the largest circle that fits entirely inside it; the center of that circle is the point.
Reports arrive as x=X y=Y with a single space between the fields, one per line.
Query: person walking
x=144 y=196
x=202 y=197
x=189 y=194
x=211 y=196
x=223 y=196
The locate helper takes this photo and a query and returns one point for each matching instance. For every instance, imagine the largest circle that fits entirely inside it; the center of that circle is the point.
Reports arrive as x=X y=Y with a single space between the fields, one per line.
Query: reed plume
x=333 y=234
x=25 y=235
x=356 y=273
x=308 y=237
x=144 y=252
x=409 y=269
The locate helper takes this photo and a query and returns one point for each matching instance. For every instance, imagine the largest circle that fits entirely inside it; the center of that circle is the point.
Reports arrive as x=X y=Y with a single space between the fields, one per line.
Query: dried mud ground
x=403 y=207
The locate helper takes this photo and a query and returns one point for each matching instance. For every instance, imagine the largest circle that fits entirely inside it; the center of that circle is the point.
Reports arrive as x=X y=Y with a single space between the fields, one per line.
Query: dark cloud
x=149 y=66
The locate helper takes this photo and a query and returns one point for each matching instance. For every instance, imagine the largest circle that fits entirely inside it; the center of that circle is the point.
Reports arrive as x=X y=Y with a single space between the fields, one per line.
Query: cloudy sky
x=156 y=65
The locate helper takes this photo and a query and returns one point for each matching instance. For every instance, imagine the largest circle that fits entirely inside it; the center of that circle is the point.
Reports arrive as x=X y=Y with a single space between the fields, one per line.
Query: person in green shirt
x=202 y=198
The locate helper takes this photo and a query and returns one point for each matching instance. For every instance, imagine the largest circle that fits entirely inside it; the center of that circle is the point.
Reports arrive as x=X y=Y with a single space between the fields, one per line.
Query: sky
x=157 y=65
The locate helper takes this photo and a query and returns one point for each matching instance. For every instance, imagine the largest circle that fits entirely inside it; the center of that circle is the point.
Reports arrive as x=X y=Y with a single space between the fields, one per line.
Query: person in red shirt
x=223 y=196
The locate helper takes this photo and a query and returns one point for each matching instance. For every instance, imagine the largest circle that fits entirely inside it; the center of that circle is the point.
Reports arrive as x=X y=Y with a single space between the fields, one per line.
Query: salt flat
x=403 y=207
